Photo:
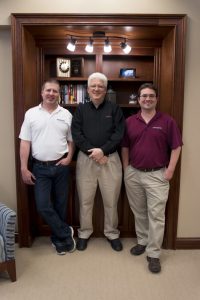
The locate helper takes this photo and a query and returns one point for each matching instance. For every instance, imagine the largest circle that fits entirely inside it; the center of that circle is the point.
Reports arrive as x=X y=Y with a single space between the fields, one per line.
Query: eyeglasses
x=145 y=96
x=100 y=87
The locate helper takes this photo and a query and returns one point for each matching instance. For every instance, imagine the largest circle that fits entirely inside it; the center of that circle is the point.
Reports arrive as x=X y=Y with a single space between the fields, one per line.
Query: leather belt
x=49 y=162
x=149 y=169
x=88 y=153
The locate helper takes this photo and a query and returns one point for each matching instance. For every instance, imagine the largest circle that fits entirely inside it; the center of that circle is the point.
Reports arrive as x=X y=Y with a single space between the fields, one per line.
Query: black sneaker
x=70 y=242
x=154 y=264
x=60 y=248
x=138 y=249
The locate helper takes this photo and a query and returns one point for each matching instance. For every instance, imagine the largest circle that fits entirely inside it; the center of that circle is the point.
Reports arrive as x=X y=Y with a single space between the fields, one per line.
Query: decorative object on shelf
x=76 y=67
x=133 y=98
x=111 y=95
x=63 y=67
x=98 y=36
x=128 y=73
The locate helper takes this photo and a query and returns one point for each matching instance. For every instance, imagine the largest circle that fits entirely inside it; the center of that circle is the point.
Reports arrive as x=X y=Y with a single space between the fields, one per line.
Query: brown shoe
x=154 y=264
x=138 y=249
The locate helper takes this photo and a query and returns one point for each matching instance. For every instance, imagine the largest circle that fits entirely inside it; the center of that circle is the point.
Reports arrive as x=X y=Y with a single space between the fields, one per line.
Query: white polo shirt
x=47 y=132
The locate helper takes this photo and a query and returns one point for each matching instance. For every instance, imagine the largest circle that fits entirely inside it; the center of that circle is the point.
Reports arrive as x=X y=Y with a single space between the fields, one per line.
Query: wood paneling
x=161 y=38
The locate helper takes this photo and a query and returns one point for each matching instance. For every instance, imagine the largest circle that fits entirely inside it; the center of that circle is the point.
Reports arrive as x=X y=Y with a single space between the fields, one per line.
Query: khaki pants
x=147 y=193
x=89 y=175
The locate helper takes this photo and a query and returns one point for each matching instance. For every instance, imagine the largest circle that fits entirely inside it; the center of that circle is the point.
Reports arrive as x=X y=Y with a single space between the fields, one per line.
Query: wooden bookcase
x=158 y=43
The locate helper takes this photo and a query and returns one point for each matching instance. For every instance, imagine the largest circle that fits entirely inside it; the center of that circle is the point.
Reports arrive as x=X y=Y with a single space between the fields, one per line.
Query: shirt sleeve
x=77 y=130
x=25 y=132
x=69 y=121
x=175 y=139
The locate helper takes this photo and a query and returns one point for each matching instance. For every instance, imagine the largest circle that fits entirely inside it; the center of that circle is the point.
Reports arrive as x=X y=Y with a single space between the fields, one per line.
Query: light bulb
x=71 y=45
x=89 y=46
x=125 y=47
x=107 y=47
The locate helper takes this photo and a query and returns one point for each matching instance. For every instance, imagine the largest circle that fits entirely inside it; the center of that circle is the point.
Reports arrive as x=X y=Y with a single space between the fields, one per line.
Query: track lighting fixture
x=107 y=47
x=89 y=46
x=125 y=47
x=71 y=45
x=102 y=38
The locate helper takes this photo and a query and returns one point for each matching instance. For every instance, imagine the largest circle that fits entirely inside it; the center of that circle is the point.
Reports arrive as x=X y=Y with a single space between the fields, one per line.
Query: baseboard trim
x=181 y=243
x=188 y=243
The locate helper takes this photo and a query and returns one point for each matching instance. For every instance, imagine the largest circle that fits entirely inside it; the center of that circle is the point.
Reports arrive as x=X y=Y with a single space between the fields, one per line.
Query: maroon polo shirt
x=150 y=144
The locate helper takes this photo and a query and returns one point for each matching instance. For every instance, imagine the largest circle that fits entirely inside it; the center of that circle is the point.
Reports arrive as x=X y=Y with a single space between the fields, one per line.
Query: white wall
x=189 y=207
x=7 y=159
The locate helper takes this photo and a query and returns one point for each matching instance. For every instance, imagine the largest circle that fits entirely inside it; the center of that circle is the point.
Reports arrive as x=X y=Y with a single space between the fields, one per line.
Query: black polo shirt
x=101 y=127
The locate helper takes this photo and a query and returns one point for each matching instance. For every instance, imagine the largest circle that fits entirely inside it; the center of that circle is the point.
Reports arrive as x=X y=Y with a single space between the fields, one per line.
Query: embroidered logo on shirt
x=157 y=127
x=59 y=119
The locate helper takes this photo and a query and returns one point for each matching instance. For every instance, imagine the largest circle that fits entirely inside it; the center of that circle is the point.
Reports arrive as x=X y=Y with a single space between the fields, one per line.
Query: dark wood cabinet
x=158 y=43
x=110 y=65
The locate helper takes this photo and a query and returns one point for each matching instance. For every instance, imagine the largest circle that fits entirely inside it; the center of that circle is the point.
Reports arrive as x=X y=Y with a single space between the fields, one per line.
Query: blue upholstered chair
x=7 y=241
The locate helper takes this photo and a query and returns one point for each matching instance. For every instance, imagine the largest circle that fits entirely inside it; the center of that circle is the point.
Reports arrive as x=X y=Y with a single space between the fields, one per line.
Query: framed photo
x=63 y=67
x=77 y=67
x=128 y=73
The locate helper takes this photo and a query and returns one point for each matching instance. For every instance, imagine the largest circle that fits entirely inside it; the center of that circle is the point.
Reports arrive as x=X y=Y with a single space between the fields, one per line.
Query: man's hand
x=96 y=154
x=103 y=160
x=28 y=177
x=168 y=174
x=64 y=161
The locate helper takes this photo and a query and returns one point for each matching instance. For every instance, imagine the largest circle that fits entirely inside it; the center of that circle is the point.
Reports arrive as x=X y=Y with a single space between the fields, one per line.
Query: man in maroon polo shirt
x=150 y=151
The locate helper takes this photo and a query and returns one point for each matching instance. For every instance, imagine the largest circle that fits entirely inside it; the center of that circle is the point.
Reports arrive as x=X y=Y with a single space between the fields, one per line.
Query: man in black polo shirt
x=97 y=129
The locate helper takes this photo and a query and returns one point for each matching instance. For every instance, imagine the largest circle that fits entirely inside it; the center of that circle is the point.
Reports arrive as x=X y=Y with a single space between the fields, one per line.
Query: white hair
x=99 y=76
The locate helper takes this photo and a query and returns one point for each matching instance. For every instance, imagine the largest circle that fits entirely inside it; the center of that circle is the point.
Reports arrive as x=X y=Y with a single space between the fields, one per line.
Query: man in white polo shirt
x=46 y=133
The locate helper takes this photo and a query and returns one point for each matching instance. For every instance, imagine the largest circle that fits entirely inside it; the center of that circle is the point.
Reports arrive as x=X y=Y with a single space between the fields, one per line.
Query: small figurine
x=133 y=98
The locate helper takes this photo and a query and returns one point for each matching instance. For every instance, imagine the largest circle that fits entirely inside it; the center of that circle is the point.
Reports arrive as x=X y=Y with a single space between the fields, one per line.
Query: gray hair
x=99 y=76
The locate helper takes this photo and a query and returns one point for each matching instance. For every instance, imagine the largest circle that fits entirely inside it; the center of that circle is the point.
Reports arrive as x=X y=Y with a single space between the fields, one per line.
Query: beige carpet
x=99 y=273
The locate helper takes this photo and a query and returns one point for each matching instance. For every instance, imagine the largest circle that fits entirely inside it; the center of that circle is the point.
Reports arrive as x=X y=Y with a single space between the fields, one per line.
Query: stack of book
x=73 y=93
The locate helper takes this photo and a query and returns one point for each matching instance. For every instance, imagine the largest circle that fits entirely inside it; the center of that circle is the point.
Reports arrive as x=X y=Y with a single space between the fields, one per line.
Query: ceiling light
x=107 y=47
x=89 y=46
x=125 y=47
x=71 y=45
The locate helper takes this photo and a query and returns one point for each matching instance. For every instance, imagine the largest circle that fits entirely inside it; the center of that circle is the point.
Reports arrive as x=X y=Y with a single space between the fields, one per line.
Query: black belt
x=149 y=169
x=49 y=162
x=88 y=153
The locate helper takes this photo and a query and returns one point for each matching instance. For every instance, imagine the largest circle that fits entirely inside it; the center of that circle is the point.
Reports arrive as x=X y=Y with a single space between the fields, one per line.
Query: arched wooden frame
x=28 y=74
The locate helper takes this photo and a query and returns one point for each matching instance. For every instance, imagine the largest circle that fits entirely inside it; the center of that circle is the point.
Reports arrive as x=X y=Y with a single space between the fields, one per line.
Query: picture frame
x=128 y=73
x=77 y=67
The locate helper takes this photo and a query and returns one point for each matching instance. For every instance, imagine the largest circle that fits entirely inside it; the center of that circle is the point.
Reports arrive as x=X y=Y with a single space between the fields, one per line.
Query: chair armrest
x=2 y=251
x=7 y=230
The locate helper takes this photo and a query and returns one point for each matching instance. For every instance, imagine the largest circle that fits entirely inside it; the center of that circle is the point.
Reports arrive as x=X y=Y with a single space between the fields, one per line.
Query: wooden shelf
x=138 y=79
x=67 y=79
